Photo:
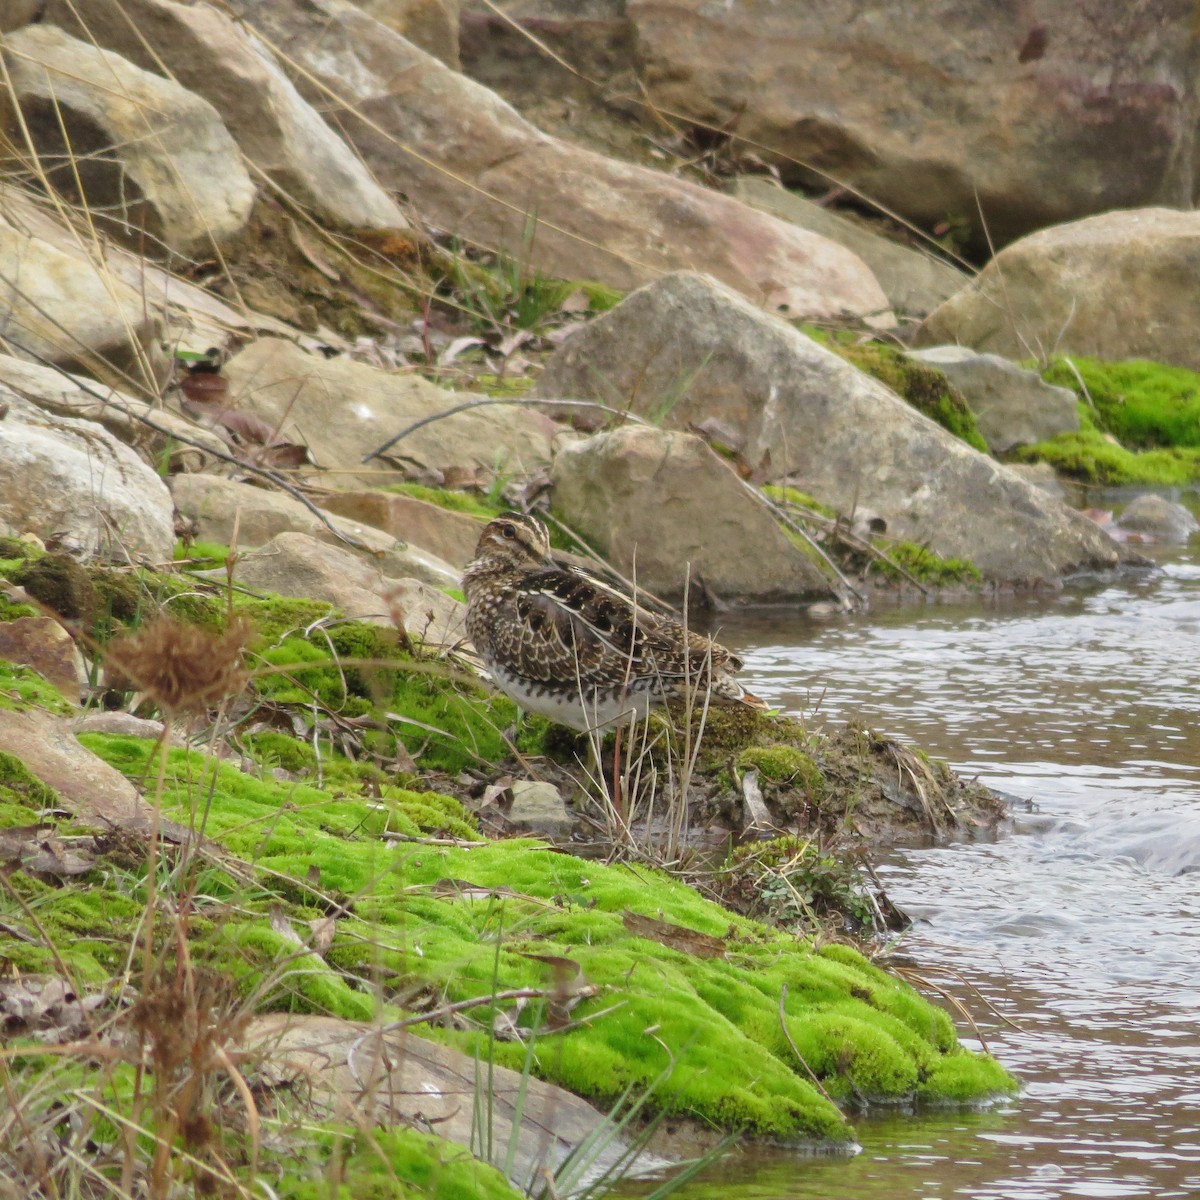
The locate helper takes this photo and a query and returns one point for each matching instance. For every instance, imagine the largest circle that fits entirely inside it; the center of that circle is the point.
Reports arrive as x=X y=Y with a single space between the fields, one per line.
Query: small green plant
x=799 y=884
x=925 y=565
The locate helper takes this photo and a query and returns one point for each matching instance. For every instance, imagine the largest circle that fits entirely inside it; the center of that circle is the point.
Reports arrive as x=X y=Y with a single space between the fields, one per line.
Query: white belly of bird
x=585 y=711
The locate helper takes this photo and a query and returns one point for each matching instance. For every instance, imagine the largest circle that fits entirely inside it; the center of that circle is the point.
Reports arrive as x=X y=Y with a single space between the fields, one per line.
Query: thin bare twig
x=519 y=401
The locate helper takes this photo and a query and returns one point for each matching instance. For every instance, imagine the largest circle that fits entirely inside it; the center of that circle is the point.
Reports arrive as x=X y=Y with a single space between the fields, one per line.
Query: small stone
x=1164 y=519
x=1013 y=405
x=43 y=644
x=538 y=807
x=119 y=724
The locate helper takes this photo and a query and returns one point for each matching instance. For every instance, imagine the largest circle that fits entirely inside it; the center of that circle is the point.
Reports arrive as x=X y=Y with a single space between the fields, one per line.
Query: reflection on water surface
x=1082 y=927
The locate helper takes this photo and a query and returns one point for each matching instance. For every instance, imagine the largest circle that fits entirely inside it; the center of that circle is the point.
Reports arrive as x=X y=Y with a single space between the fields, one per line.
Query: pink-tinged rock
x=471 y=164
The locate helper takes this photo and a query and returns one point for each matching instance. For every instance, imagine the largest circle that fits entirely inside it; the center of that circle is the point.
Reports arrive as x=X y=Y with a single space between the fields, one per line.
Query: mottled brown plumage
x=563 y=643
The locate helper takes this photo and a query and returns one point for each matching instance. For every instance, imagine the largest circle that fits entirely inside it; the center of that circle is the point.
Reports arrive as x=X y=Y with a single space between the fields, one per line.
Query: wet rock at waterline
x=666 y=511
x=687 y=347
x=217 y=508
x=156 y=165
x=478 y=168
x=1163 y=520
x=1012 y=405
x=343 y=410
x=277 y=130
x=915 y=281
x=62 y=476
x=1120 y=285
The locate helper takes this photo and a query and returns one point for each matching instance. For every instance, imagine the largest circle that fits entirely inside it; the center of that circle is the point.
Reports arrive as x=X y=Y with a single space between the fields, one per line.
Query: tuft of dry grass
x=183 y=668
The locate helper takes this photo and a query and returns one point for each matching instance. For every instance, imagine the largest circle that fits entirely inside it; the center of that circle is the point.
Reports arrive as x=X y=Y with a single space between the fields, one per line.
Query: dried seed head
x=183 y=668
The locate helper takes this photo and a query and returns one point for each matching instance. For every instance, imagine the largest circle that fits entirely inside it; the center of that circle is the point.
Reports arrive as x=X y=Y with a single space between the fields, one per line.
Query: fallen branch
x=520 y=401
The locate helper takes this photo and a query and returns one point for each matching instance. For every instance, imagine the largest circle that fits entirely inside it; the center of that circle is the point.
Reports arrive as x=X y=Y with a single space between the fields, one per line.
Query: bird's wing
x=570 y=624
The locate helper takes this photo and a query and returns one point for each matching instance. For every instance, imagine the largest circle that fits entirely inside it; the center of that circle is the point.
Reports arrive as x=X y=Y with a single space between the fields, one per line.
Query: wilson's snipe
x=564 y=644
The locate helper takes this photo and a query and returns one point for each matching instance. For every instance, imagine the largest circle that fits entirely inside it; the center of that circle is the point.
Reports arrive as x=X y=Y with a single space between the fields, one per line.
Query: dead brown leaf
x=46 y=1007
x=677 y=937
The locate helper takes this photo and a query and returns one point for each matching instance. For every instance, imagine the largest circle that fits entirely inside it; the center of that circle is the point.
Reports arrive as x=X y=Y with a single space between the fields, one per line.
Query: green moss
x=61 y=584
x=459 y=922
x=1143 y=404
x=19 y=785
x=22 y=687
x=202 y=555
x=924 y=387
x=276 y=616
x=12 y=611
x=600 y=296
x=388 y=1164
x=1139 y=424
x=501 y=387
x=275 y=749
x=790 y=495
x=463 y=502
x=925 y=565
x=784 y=764
x=16 y=551
x=1092 y=456
x=444 y=723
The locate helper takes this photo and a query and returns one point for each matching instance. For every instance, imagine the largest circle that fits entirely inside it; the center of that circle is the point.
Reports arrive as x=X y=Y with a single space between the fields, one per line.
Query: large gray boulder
x=106 y=308
x=153 y=161
x=688 y=349
x=470 y=163
x=914 y=282
x=343 y=410
x=668 y=513
x=158 y=435
x=1119 y=285
x=73 y=481
x=276 y=128
x=1027 y=114
x=1012 y=405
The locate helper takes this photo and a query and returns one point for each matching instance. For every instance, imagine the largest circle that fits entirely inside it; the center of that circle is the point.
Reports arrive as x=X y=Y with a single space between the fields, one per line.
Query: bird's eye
x=508 y=531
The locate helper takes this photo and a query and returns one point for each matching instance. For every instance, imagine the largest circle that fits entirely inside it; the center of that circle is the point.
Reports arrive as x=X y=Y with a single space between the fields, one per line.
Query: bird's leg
x=618 y=799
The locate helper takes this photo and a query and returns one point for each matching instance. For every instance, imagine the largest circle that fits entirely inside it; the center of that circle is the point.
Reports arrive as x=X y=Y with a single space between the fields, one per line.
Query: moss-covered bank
x=417 y=923
x=337 y=819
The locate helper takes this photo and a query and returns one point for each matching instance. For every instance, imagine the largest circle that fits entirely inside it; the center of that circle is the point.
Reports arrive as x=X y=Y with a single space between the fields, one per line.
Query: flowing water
x=1081 y=926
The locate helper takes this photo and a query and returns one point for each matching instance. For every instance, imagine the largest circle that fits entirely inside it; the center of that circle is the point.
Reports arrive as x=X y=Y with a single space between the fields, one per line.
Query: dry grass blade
x=787 y=1033
x=689 y=121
